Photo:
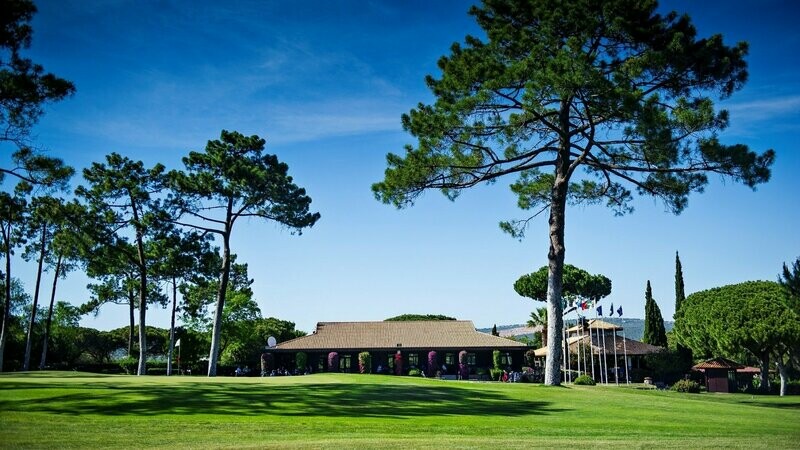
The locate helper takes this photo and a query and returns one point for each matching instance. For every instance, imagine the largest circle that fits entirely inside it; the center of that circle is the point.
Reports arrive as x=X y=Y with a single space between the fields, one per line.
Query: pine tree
x=654 y=332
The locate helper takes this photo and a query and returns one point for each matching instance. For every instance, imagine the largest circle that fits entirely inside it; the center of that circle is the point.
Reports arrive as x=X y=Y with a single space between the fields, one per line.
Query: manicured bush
x=496 y=359
x=689 y=386
x=530 y=358
x=433 y=364
x=414 y=373
x=301 y=361
x=398 y=363
x=584 y=380
x=333 y=362
x=495 y=374
x=364 y=362
x=463 y=369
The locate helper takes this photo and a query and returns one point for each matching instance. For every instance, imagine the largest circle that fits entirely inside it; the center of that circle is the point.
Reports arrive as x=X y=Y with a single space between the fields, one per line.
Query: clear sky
x=325 y=83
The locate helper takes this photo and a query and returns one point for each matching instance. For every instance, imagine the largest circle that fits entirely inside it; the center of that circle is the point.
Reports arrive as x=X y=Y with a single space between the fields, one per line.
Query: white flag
x=178 y=343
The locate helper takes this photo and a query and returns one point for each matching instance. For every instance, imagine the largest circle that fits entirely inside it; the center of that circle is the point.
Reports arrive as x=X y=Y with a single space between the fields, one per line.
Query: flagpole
x=591 y=345
x=616 y=361
x=564 y=349
x=625 y=350
x=578 y=341
x=604 y=362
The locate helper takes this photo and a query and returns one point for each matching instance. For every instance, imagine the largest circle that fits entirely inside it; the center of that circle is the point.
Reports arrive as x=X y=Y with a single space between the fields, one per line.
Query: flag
x=612 y=310
x=619 y=311
x=600 y=310
x=178 y=343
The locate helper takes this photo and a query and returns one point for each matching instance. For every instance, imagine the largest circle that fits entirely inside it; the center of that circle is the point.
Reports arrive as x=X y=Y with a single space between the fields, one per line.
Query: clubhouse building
x=412 y=341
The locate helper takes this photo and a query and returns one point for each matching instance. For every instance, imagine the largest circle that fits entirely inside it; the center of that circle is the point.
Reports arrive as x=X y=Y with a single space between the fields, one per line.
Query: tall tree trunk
x=46 y=337
x=782 y=372
x=29 y=340
x=765 y=372
x=172 y=326
x=142 y=369
x=223 y=287
x=7 y=304
x=555 y=256
x=132 y=323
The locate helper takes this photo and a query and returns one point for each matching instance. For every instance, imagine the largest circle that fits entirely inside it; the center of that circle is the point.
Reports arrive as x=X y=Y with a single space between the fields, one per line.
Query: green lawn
x=58 y=409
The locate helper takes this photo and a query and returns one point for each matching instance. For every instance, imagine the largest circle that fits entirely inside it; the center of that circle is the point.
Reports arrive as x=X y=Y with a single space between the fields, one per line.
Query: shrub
x=129 y=364
x=433 y=364
x=689 y=386
x=301 y=361
x=398 y=363
x=530 y=358
x=584 y=380
x=333 y=362
x=463 y=369
x=496 y=359
x=414 y=373
x=364 y=362
x=495 y=374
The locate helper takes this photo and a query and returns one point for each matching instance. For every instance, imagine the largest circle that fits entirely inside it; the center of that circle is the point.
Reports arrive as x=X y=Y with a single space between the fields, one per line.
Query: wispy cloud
x=775 y=112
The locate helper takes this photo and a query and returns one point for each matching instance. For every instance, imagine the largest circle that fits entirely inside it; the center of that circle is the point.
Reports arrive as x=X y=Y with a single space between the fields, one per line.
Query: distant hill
x=634 y=328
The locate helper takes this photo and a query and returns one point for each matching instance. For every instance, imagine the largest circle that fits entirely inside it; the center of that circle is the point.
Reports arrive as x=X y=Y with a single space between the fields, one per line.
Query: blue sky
x=325 y=83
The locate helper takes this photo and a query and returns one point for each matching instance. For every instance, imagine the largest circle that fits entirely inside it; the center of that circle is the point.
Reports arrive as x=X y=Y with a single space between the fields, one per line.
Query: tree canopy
x=578 y=284
x=584 y=102
x=753 y=316
x=412 y=317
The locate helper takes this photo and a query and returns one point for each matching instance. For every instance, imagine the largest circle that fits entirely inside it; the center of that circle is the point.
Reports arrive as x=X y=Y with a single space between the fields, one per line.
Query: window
x=344 y=363
x=413 y=359
x=450 y=358
x=470 y=359
x=505 y=359
x=321 y=363
x=390 y=361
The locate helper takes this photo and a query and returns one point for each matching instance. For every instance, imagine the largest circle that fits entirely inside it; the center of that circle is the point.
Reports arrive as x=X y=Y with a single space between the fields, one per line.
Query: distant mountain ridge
x=633 y=328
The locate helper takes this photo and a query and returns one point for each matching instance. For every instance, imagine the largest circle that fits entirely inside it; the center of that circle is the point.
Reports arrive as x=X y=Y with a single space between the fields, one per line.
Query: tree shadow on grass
x=309 y=400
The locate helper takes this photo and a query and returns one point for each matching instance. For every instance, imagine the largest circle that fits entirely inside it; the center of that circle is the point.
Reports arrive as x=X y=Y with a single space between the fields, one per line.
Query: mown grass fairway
x=85 y=410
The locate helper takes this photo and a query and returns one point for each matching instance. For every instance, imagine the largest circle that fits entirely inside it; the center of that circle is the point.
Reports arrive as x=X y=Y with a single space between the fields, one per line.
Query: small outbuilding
x=720 y=374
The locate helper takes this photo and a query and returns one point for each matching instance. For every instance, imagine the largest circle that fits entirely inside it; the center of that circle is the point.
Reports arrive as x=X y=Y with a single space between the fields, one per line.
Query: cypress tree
x=680 y=295
x=654 y=332
x=684 y=353
x=494 y=331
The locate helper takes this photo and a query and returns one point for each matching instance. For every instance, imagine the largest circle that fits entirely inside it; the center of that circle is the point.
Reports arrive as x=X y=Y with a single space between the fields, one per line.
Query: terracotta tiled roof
x=717 y=363
x=629 y=346
x=424 y=335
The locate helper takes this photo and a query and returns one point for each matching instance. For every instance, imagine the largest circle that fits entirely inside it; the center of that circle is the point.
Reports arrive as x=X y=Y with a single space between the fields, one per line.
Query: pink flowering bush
x=432 y=363
x=333 y=362
x=398 y=364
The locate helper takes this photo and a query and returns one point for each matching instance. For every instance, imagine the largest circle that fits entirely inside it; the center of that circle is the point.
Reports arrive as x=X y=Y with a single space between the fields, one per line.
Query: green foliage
x=584 y=380
x=26 y=88
x=687 y=386
x=494 y=330
x=577 y=284
x=414 y=373
x=128 y=364
x=495 y=374
x=301 y=361
x=668 y=365
x=235 y=179
x=364 y=362
x=654 y=331
x=530 y=358
x=751 y=316
x=789 y=279
x=680 y=295
x=413 y=317
x=496 y=359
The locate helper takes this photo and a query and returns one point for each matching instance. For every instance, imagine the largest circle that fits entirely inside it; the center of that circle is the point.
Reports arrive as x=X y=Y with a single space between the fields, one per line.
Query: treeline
x=131 y=228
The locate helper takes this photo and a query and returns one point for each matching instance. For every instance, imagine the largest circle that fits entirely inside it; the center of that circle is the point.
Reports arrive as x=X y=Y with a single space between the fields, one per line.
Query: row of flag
x=611 y=314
